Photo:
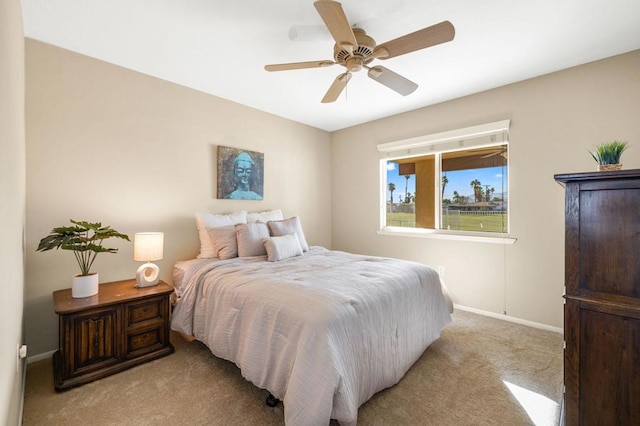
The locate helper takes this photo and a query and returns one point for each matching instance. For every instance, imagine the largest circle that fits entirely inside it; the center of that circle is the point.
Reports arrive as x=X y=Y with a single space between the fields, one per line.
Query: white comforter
x=322 y=332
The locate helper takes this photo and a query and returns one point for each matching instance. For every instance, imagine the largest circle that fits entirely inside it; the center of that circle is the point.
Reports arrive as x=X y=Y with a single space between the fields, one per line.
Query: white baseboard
x=22 y=391
x=510 y=319
x=40 y=357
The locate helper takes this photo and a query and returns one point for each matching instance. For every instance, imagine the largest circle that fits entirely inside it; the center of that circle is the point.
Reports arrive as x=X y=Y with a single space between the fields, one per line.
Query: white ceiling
x=220 y=47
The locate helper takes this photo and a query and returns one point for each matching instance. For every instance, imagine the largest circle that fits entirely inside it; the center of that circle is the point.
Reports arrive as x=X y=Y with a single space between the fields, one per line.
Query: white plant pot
x=84 y=286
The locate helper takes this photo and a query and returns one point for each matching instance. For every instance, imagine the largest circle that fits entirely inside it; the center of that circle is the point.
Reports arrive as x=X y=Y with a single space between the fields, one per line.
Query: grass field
x=463 y=222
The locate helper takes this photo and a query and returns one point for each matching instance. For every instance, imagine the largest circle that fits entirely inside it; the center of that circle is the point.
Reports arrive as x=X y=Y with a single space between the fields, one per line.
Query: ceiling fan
x=355 y=50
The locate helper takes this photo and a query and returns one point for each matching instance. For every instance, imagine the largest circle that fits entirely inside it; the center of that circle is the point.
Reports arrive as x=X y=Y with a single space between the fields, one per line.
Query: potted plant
x=85 y=240
x=607 y=155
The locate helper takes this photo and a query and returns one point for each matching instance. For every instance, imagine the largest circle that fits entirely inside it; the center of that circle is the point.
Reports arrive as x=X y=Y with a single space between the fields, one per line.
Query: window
x=453 y=182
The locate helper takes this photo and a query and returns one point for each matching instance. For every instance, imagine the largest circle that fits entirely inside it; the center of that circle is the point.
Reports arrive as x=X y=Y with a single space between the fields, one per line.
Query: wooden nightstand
x=120 y=327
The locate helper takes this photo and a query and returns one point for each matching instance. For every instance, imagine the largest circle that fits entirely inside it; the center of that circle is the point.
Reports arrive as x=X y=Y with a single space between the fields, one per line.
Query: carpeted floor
x=482 y=371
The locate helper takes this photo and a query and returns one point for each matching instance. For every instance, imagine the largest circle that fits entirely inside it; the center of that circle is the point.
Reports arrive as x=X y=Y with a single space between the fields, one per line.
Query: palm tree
x=406 y=188
x=477 y=189
x=392 y=187
x=456 y=198
x=445 y=181
x=488 y=193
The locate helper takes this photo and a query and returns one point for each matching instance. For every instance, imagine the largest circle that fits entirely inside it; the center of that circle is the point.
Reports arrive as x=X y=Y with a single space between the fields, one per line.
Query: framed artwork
x=240 y=174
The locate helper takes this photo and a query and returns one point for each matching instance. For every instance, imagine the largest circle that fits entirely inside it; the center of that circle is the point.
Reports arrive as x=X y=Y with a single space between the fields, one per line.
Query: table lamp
x=147 y=246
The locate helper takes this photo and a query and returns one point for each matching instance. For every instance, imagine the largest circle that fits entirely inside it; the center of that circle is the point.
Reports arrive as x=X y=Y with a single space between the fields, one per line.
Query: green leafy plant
x=609 y=153
x=84 y=239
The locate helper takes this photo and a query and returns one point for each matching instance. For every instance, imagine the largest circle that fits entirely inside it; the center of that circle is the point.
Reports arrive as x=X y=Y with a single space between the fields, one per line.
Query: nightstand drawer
x=148 y=310
x=144 y=341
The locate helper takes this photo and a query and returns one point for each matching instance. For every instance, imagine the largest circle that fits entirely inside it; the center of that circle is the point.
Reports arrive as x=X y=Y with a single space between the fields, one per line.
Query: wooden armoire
x=602 y=298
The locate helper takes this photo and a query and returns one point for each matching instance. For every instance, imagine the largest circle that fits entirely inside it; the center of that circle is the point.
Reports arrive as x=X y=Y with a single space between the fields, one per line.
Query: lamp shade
x=148 y=246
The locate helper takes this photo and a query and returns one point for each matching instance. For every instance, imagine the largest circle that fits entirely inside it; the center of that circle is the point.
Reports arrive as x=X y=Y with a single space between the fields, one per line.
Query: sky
x=458 y=181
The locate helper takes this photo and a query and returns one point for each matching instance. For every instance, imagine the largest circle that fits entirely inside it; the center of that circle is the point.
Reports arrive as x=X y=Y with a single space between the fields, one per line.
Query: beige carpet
x=482 y=371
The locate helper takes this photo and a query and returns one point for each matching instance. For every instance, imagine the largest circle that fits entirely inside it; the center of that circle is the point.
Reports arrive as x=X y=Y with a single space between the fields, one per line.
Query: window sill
x=435 y=234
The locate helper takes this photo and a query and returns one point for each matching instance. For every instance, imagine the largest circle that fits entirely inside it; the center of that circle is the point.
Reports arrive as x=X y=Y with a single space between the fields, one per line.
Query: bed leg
x=272 y=401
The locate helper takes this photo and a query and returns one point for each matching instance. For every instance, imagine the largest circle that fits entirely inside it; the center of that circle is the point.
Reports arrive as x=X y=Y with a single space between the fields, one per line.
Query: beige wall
x=138 y=153
x=12 y=208
x=555 y=119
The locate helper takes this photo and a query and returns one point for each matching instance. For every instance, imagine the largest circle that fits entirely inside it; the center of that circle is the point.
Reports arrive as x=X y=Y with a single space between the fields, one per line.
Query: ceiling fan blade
x=336 y=21
x=298 y=65
x=421 y=39
x=336 y=88
x=392 y=80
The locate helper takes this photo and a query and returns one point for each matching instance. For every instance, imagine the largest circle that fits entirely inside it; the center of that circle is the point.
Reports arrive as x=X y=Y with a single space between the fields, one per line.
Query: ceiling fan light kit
x=354 y=50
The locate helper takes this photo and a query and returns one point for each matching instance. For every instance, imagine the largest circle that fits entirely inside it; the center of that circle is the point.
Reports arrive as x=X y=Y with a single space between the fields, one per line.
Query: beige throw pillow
x=206 y=221
x=284 y=247
x=250 y=236
x=278 y=228
x=225 y=244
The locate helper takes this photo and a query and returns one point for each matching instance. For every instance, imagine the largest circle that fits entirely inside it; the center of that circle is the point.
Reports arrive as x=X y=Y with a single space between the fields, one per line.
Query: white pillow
x=292 y=225
x=265 y=216
x=250 y=236
x=225 y=244
x=284 y=247
x=208 y=220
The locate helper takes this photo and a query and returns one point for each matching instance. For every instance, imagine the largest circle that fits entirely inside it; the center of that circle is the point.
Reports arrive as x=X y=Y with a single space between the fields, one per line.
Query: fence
x=401 y=214
x=483 y=221
x=456 y=220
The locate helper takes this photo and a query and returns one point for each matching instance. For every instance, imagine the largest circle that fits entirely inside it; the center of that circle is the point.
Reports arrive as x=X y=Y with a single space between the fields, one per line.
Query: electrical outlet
x=21 y=353
x=441 y=270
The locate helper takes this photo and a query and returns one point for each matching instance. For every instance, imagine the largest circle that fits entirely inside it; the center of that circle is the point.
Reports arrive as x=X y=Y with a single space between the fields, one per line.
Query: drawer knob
x=96 y=337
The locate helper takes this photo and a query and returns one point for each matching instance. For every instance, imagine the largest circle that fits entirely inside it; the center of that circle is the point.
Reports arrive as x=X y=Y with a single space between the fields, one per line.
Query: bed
x=321 y=330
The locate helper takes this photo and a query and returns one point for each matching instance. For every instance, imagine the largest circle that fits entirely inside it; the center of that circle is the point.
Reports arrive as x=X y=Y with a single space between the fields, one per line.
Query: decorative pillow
x=284 y=247
x=208 y=220
x=265 y=216
x=250 y=236
x=225 y=244
x=278 y=228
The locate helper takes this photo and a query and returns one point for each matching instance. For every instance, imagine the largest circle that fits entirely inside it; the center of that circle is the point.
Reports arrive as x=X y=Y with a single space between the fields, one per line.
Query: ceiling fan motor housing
x=361 y=54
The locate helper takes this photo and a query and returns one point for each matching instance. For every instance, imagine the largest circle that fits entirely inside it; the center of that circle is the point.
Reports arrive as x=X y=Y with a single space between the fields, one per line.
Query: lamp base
x=147 y=275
